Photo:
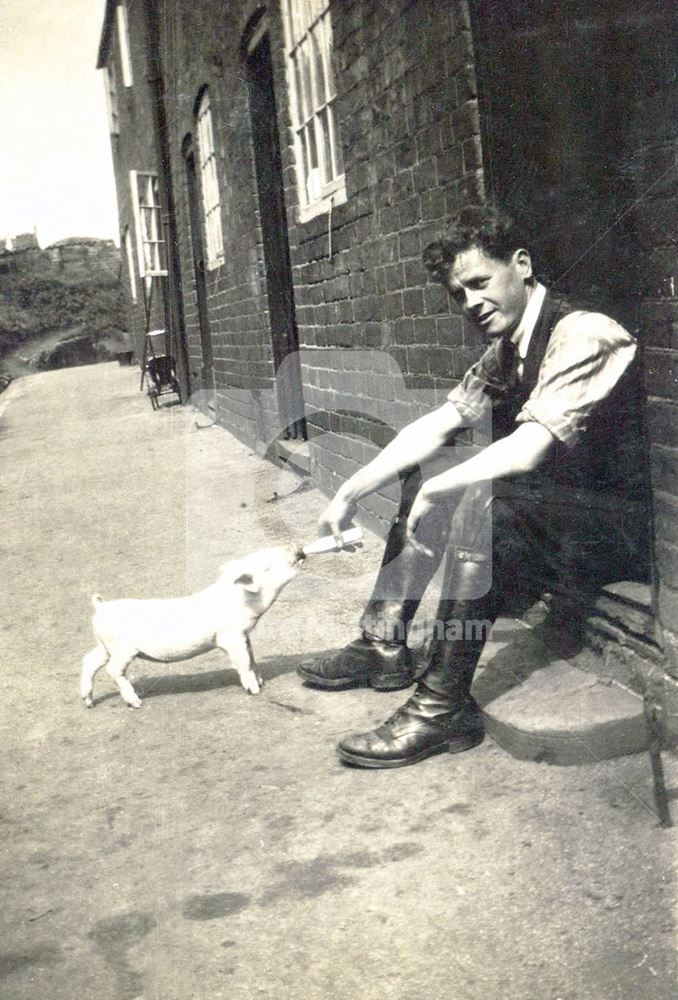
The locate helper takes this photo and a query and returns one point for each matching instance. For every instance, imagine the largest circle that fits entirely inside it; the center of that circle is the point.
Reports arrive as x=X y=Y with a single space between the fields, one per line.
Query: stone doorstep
x=543 y=709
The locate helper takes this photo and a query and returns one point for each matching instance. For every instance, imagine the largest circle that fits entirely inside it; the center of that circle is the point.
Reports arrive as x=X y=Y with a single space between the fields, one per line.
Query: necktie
x=512 y=363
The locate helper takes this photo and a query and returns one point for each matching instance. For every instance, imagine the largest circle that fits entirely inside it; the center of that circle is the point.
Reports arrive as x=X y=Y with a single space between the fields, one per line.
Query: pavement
x=211 y=844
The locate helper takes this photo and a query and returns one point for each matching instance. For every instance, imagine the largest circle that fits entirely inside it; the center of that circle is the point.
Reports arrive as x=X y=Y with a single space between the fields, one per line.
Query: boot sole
x=451 y=746
x=389 y=682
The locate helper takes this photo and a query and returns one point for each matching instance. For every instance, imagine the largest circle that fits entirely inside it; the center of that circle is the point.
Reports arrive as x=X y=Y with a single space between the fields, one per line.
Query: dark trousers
x=507 y=543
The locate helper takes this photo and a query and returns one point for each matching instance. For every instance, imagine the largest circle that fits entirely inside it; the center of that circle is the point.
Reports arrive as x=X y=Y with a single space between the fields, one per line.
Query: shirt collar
x=522 y=334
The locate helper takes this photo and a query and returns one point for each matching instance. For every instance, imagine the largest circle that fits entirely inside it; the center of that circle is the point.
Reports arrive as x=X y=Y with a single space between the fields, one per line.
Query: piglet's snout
x=270 y=570
x=285 y=564
x=287 y=557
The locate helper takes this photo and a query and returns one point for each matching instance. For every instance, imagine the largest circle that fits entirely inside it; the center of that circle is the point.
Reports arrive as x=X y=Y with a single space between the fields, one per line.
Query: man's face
x=491 y=293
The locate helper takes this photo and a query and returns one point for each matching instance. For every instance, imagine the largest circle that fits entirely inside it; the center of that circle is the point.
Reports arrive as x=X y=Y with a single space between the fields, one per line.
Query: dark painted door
x=276 y=246
x=198 y=251
x=556 y=78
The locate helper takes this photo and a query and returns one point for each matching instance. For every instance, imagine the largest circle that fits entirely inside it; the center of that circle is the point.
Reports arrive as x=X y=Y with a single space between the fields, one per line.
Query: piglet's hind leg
x=91 y=663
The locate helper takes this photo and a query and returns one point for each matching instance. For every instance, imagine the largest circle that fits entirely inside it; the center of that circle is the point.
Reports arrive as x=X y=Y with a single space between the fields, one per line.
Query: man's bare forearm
x=522 y=452
x=412 y=445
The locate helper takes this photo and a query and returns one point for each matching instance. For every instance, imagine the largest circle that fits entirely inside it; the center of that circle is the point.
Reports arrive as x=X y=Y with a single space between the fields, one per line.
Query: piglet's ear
x=246 y=581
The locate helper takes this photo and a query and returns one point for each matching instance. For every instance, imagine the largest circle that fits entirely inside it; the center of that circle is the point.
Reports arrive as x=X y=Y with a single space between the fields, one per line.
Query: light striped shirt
x=586 y=356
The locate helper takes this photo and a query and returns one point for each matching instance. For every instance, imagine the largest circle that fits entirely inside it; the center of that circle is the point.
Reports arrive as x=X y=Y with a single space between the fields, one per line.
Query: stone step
x=542 y=708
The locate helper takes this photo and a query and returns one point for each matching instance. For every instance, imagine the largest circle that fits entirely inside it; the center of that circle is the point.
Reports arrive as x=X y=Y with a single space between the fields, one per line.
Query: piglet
x=221 y=617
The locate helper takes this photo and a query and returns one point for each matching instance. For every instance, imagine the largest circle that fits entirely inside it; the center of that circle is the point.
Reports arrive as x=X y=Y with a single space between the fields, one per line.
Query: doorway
x=273 y=216
x=198 y=254
x=555 y=81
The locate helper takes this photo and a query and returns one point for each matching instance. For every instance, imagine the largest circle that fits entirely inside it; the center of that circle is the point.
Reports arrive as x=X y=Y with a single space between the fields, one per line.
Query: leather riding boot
x=453 y=655
x=441 y=716
x=380 y=658
x=427 y=724
x=365 y=662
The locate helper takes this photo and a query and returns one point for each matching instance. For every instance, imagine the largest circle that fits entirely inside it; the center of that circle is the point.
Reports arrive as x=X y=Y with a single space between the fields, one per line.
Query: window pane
x=209 y=182
x=144 y=225
x=312 y=89
x=302 y=113
x=150 y=236
x=316 y=55
x=289 y=21
x=312 y=145
x=129 y=253
x=307 y=88
x=316 y=8
x=294 y=15
x=337 y=153
x=324 y=137
x=307 y=155
x=328 y=50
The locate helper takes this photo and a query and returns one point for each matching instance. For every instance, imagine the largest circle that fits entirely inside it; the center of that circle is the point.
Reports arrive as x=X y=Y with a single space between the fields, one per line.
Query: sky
x=56 y=172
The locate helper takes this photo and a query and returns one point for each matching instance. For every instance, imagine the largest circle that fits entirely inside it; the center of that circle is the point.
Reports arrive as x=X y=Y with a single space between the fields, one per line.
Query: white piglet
x=221 y=616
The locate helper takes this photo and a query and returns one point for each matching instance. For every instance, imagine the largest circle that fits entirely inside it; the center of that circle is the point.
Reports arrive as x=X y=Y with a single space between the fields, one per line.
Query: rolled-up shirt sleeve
x=587 y=355
x=483 y=385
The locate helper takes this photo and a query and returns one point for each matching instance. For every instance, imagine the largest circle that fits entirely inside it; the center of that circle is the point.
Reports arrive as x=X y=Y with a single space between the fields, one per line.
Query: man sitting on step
x=554 y=502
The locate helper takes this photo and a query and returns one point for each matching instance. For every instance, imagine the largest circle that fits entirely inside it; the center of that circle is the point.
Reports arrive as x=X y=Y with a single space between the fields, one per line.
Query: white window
x=320 y=167
x=150 y=242
x=111 y=86
x=209 y=184
x=123 y=41
x=131 y=269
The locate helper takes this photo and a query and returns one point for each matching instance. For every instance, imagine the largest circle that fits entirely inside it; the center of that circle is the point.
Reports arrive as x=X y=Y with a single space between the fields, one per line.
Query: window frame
x=110 y=79
x=143 y=213
x=131 y=266
x=210 y=190
x=308 y=47
x=124 y=44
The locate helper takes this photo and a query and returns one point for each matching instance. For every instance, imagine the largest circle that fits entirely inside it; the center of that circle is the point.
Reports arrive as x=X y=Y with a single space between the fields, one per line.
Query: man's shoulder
x=584 y=320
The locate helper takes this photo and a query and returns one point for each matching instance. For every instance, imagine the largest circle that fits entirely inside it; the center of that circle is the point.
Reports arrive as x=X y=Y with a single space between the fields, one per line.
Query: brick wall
x=654 y=139
x=133 y=149
x=201 y=47
x=408 y=126
x=408 y=123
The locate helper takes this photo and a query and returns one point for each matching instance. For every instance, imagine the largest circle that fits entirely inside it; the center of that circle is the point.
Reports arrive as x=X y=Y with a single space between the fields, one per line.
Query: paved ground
x=211 y=845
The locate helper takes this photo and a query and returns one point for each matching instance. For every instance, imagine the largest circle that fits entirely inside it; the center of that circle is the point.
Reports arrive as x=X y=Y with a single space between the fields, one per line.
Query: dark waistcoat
x=610 y=457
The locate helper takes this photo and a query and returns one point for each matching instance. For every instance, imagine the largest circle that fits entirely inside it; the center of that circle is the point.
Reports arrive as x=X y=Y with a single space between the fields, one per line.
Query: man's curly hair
x=482 y=226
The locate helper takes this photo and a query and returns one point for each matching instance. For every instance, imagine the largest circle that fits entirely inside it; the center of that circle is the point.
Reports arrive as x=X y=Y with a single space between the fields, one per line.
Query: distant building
x=75 y=258
x=280 y=166
x=24 y=241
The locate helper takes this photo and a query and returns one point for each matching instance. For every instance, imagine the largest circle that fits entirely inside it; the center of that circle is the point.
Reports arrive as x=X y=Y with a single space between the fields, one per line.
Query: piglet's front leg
x=239 y=650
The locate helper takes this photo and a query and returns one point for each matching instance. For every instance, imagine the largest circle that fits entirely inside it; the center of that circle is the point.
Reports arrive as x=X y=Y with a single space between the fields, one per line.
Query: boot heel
x=391 y=682
x=466 y=741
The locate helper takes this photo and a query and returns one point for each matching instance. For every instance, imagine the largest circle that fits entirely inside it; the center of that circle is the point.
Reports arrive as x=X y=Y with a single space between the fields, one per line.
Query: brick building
x=294 y=158
x=73 y=258
x=128 y=57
